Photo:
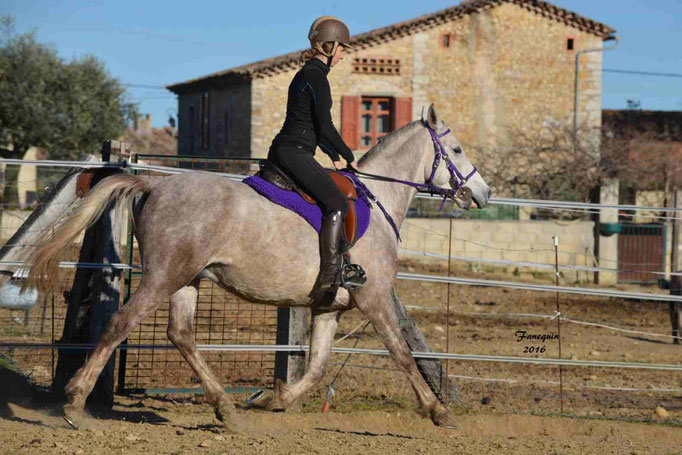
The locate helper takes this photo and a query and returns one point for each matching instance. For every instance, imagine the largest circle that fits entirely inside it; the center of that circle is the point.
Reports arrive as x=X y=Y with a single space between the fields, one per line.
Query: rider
x=308 y=124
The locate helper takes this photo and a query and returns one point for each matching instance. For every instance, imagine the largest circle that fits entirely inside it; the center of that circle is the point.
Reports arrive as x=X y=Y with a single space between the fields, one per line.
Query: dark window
x=204 y=120
x=191 y=122
x=375 y=120
x=569 y=44
x=446 y=40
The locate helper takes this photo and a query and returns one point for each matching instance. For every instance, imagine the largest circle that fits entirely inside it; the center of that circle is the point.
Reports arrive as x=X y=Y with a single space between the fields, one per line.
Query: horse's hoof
x=444 y=420
x=260 y=399
x=267 y=400
x=72 y=416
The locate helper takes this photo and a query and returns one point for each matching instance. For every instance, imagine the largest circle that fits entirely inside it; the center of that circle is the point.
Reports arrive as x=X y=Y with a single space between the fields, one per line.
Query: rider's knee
x=339 y=205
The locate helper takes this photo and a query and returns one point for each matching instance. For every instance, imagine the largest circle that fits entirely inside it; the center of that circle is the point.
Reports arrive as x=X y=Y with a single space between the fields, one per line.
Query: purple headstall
x=457 y=180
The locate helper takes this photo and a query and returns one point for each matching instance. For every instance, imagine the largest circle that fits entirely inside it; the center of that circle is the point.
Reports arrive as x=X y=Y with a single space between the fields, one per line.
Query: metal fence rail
x=239 y=339
x=380 y=352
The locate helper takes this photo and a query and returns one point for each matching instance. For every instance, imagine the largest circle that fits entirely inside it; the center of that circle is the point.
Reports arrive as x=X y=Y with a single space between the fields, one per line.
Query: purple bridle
x=457 y=180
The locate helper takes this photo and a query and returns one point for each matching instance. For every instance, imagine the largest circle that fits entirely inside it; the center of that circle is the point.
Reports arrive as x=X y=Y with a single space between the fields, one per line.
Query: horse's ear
x=430 y=117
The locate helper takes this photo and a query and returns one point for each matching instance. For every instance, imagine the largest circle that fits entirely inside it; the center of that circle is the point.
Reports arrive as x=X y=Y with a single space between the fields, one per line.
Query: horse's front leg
x=376 y=303
x=284 y=395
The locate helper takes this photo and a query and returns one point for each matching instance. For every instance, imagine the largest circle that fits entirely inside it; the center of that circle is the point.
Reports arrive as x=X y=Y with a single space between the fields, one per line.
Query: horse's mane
x=388 y=140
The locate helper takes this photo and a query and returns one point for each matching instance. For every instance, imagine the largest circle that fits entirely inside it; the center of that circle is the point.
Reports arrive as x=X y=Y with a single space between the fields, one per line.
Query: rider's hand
x=353 y=167
x=338 y=165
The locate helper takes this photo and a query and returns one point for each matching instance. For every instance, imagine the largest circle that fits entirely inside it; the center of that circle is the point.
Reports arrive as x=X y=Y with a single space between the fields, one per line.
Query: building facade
x=495 y=69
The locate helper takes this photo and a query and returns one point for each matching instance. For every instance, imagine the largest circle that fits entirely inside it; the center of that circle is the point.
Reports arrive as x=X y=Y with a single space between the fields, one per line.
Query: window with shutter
x=365 y=120
x=375 y=120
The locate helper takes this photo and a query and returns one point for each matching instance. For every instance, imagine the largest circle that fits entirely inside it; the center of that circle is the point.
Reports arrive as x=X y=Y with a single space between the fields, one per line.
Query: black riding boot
x=329 y=278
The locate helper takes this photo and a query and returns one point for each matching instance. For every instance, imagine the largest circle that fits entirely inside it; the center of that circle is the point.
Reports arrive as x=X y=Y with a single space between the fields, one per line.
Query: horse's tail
x=55 y=239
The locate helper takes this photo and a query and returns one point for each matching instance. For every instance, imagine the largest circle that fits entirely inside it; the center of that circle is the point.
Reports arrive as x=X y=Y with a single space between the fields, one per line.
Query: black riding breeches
x=301 y=166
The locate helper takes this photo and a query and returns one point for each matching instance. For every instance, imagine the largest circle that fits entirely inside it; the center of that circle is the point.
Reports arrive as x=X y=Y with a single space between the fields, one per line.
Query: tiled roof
x=288 y=61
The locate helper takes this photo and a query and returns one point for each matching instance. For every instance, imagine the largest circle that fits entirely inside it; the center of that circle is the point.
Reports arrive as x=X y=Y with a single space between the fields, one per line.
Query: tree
x=549 y=166
x=66 y=108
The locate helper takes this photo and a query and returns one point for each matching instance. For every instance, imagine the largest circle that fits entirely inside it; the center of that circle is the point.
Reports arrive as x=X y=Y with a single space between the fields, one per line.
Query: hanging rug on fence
x=310 y=212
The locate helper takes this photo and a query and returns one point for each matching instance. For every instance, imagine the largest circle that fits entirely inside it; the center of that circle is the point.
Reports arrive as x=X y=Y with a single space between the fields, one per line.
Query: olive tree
x=64 y=107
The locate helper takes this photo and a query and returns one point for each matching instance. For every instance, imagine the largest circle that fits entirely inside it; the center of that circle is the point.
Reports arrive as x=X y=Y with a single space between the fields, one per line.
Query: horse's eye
x=458 y=149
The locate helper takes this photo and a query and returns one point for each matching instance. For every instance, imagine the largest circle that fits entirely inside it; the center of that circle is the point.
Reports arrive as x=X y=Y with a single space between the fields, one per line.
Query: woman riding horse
x=308 y=124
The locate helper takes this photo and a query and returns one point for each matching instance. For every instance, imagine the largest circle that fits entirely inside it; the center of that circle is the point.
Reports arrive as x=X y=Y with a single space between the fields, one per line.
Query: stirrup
x=353 y=276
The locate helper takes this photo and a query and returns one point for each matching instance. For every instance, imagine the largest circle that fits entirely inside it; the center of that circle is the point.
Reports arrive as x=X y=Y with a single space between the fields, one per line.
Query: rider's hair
x=310 y=53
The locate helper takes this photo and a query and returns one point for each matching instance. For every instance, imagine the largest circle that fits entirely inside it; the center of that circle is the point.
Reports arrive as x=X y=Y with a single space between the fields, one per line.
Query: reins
x=457 y=180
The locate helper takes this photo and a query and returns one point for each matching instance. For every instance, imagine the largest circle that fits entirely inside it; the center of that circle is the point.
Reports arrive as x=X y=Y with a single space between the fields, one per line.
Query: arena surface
x=504 y=408
x=189 y=428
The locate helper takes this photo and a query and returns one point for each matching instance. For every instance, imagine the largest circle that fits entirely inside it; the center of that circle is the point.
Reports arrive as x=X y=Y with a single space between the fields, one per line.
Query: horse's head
x=460 y=175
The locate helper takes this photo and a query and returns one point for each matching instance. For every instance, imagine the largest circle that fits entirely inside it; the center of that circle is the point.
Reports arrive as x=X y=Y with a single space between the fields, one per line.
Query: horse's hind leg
x=181 y=334
x=79 y=387
x=324 y=328
x=378 y=307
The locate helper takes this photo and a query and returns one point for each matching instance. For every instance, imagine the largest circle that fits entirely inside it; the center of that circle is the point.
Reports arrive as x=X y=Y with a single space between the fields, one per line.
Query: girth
x=273 y=174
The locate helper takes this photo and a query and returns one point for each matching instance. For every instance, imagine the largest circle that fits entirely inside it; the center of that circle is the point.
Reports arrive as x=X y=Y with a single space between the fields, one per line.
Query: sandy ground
x=153 y=426
x=504 y=408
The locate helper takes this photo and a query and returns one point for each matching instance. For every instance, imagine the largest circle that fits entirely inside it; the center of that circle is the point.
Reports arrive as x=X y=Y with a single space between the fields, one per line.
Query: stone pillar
x=607 y=246
x=27 y=179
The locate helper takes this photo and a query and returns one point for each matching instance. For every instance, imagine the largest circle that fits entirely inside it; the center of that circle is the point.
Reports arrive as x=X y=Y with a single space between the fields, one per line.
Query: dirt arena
x=153 y=426
x=504 y=408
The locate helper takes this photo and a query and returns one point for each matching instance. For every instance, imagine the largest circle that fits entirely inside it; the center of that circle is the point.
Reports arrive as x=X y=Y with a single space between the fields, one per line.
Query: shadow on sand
x=17 y=390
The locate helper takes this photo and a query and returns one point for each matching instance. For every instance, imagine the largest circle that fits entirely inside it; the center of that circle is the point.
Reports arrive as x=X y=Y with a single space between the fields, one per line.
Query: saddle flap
x=345 y=184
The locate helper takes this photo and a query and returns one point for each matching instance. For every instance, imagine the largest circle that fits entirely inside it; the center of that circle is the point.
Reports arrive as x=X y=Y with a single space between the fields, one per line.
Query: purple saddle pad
x=310 y=212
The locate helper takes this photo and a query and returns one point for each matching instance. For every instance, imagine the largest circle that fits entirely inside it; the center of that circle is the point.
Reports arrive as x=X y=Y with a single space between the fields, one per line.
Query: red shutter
x=350 y=121
x=403 y=112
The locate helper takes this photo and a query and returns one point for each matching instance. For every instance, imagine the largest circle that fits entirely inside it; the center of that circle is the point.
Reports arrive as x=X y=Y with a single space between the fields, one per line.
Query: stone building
x=493 y=68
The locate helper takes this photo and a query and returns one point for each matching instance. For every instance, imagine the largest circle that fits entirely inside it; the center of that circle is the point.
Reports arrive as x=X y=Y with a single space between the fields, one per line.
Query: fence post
x=676 y=267
x=607 y=247
x=292 y=328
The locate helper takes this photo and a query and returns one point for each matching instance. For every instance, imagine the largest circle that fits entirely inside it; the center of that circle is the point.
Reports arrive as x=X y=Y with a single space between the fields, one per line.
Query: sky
x=155 y=43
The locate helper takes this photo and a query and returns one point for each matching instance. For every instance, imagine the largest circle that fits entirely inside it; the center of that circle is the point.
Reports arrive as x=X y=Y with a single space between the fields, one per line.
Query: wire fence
x=234 y=346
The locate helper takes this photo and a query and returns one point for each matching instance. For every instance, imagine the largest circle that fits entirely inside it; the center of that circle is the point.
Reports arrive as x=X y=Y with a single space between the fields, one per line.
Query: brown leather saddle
x=273 y=174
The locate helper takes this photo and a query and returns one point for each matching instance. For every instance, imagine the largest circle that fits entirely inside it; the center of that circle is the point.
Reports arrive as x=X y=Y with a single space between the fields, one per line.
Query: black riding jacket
x=309 y=121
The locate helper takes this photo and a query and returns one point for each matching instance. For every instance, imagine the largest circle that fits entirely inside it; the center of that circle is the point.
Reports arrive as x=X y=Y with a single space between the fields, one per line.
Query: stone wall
x=528 y=241
x=506 y=73
x=268 y=117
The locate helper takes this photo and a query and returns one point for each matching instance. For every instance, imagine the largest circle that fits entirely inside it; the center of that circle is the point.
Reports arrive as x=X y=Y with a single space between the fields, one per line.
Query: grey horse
x=199 y=225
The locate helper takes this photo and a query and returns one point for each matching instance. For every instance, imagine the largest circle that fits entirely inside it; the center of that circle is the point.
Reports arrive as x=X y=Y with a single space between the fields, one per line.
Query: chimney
x=143 y=125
